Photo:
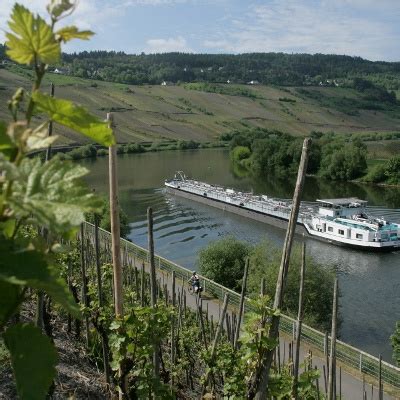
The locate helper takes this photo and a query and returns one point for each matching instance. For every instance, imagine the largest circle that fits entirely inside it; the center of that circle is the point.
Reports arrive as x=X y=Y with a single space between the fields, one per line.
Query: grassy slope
x=160 y=113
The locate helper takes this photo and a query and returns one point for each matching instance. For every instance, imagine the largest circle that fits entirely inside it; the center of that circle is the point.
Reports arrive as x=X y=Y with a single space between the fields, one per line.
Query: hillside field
x=159 y=113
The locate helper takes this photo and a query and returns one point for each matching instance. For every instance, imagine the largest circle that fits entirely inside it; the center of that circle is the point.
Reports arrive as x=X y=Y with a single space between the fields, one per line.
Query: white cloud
x=166 y=45
x=317 y=27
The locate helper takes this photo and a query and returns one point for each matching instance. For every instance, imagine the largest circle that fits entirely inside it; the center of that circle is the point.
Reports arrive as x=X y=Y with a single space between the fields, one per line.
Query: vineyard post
x=153 y=284
x=173 y=326
x=142 y=282
x=40 y=306
x=262 y=385
x=84 y=286
x=299 y=323
x=380 y=393
x=100 y=295
x=241 y=306
x=214 y=345
x=115 y=225
x=332 y=358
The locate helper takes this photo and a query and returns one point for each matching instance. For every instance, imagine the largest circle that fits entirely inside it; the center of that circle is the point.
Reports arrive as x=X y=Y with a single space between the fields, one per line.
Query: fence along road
x=358 y=362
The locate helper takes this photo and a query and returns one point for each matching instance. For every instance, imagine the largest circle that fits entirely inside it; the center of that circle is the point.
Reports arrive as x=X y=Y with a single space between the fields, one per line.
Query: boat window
x=341 y=232
x=359 y=236
x=330 y=229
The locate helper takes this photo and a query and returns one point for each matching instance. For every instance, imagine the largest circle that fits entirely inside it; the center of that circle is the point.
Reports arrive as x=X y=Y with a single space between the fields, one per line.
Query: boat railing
x=357 y=359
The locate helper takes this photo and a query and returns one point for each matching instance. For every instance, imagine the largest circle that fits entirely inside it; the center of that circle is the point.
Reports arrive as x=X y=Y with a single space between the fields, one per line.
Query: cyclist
x=195 y=281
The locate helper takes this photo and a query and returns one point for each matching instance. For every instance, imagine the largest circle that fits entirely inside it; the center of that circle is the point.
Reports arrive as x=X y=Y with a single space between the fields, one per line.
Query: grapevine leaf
x=27 y=267
x=33 y=359
x=7 y=147
x=40 y=139
x=58 y=7
x=71 y=32
x=75 y=117
x=32 y=40
x=9 y=296
x=53 y=194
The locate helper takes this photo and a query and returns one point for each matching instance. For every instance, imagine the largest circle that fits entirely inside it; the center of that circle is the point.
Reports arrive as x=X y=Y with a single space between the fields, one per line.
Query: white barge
x=338 y=221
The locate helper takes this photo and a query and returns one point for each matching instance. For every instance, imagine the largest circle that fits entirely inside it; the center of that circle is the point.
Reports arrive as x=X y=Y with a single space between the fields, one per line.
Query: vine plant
x=49 y=195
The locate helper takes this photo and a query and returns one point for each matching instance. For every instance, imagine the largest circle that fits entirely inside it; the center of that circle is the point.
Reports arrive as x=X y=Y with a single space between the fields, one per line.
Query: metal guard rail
x=363 y=362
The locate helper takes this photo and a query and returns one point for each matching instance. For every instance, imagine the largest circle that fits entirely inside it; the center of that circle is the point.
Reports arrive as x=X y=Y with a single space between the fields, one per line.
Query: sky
x=365 y=28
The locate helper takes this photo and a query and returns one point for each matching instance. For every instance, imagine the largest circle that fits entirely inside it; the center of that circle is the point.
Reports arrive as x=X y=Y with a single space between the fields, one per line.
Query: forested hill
x=266 y=68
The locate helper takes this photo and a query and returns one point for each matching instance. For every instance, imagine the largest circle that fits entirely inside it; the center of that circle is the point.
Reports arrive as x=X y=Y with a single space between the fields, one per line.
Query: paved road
x=351 y=387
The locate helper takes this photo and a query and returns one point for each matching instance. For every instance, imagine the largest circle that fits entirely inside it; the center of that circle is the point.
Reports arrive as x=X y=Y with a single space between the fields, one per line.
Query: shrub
x=223 y=261
x=265 y=261
x=102 y=152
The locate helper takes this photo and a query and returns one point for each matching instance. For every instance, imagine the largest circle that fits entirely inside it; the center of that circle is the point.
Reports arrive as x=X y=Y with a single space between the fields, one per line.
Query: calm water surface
x=370 y=283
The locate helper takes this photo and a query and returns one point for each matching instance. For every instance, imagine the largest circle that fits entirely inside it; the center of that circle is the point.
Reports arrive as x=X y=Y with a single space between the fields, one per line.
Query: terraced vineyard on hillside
x=158 y=113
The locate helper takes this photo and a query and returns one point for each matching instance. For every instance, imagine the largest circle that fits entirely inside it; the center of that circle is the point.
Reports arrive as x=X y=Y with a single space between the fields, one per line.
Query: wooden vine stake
x=100 y=297
x=115 y=226
x=215 y=342
x=299 y=323
x=332 y=358
x=241 y=306
x=153 y=285
x=262 y=376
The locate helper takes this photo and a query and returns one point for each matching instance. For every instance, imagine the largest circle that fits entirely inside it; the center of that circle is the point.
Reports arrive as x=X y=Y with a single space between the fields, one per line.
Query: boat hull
x=270 y=219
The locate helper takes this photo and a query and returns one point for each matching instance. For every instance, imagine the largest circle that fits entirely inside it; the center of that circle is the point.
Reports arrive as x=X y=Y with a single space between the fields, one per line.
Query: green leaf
x=7 y=147
x=32 y=40
x=33 y=359
x=9 y=296
x=75 y=117
x=26 y=267
x=71 y=32
x=58 y=7
x=53 y=194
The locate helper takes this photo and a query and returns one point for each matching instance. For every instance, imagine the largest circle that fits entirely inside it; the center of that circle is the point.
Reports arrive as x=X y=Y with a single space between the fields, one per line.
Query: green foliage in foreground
x=395 y=339
x=50 y=196
x=223 y=261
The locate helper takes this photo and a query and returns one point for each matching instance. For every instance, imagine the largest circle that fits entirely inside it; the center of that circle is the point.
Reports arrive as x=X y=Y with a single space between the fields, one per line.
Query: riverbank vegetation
x=336 y=157
x=395 y=341
x=223 y=261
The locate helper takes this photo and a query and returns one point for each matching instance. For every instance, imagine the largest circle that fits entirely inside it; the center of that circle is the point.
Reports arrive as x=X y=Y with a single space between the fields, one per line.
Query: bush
x=376 y=174
x=87 y=151
x=105 y=219
x=395 y=340
x=134 y=148
x=102 y=152
x=265 y=261
x=223 y=261
x=240 y=153
x=184 y=145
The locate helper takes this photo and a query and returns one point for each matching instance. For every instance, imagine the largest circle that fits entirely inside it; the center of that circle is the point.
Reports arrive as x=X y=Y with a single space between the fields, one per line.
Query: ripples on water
x=369 y=282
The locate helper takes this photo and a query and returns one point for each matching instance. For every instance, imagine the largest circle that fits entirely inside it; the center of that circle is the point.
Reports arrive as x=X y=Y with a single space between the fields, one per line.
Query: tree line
x=266 y=68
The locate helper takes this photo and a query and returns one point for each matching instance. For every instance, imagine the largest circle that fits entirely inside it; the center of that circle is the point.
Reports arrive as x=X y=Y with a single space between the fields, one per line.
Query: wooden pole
x=215 y=342
x=84 y=286
x=241 y=305
x=262 y=385
x=173 y=345
x=100 y=295
x=50 y=127
x=115 y=226
x=299 y=323
x=153 y=285
x=380 y=392
x=332 y=358
x=142 y=283
x=40 y=306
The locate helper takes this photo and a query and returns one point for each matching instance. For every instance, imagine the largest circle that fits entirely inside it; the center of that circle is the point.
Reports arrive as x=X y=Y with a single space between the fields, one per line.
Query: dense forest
x=266 y=68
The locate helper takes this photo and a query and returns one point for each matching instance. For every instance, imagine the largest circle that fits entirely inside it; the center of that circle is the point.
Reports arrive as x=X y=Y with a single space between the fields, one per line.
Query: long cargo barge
x=337 y=221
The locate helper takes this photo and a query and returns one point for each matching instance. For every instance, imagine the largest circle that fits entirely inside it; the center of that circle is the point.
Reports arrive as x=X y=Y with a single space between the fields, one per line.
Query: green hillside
x=203 y=112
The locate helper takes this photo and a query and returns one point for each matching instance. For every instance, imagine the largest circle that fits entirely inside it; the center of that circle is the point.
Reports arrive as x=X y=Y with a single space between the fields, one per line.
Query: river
x=369 y=282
